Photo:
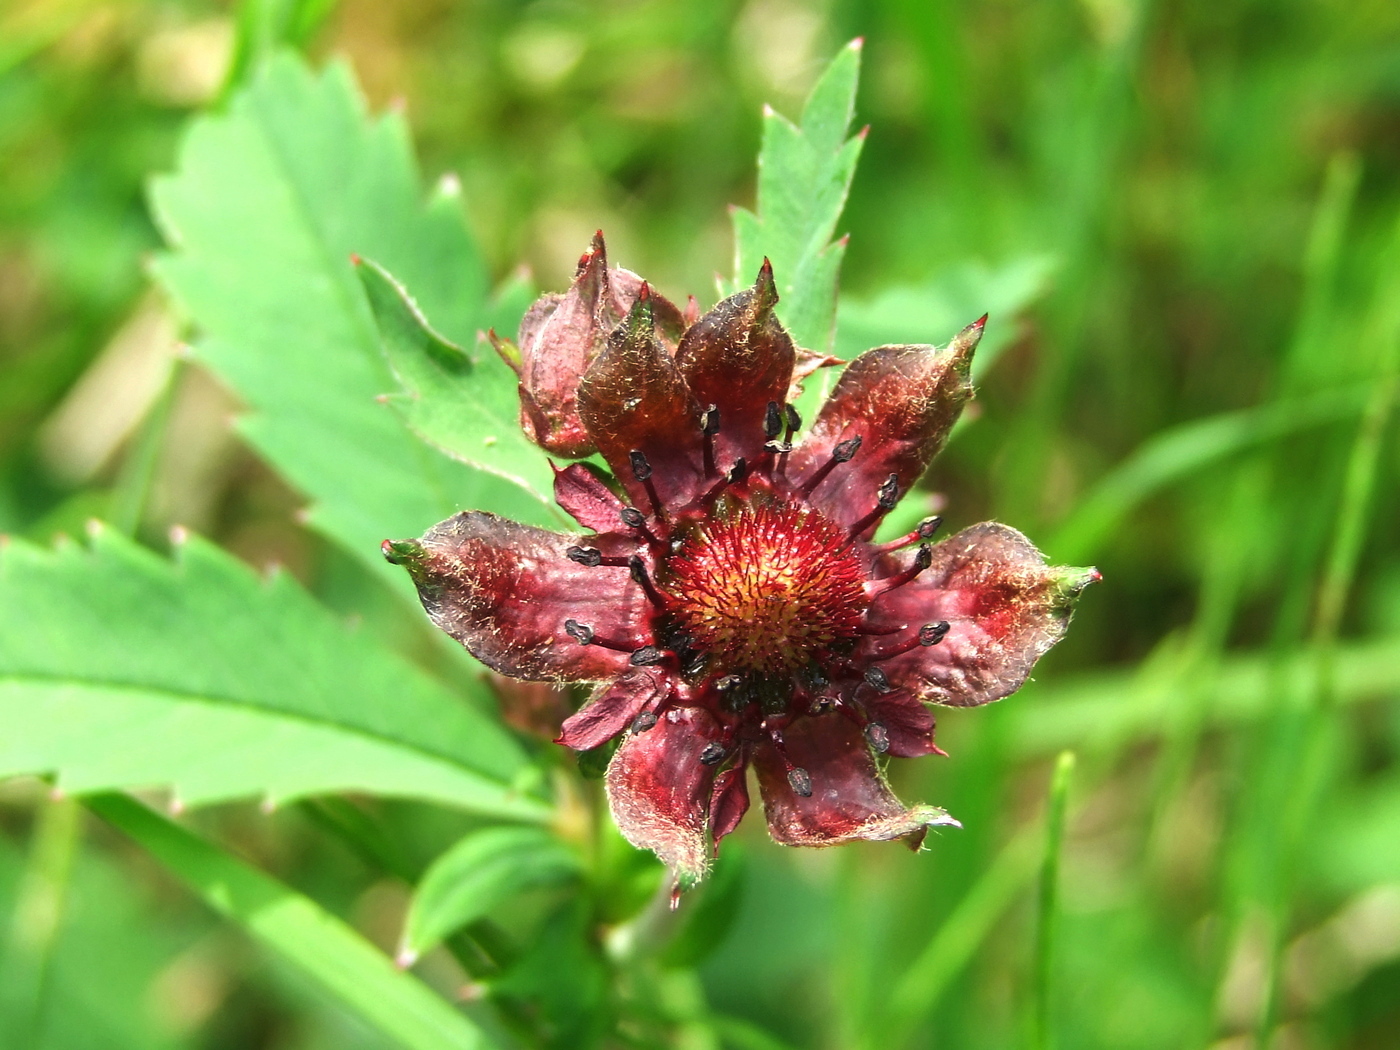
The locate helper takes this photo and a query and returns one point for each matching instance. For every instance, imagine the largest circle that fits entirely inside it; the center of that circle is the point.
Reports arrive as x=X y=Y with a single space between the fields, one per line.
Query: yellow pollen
x=767 y=589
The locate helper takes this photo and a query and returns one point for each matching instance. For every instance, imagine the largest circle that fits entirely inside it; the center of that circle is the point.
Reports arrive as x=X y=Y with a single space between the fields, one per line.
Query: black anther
x=633 y=518
x=773 y=420
x=778 y=448
x=739 y=471
x=713 y=754
x=590 y=556
x=794 y=420
x=877 y=680
x=933 y=633
x=846 y=450
x=727 y=683
x=878 y=736
x=579 y=632
x=924 y=558
x=711 y=424
x=643 y=722
x=889 y=492
x=638 y=570
x=646 y=656
x=800 y=781
x=928 y=527
x=641 y=467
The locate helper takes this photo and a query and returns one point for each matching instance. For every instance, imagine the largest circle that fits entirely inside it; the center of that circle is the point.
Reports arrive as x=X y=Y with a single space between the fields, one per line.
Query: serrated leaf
x=804 y=174
x=119 y=668
x=467 y=406
x=322 y=947
x=483 y=870
x=270 y=200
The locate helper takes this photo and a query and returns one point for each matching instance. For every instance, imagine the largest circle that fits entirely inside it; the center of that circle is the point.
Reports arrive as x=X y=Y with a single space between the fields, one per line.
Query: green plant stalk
x=36 y=920
x=1048 y=903
x=918 y=990
x=334 y=956
x=133 y=488
x=1338 y=579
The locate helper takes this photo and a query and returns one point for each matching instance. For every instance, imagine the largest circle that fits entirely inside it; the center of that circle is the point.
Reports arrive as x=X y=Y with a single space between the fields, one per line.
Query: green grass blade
x=950 y=950
x=337 y=958
x=1048 y=903
x=483 y=870
x=1183 y=451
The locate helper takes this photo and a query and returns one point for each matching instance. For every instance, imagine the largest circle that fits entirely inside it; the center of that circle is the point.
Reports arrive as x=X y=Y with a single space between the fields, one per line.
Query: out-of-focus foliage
x=1183 y=220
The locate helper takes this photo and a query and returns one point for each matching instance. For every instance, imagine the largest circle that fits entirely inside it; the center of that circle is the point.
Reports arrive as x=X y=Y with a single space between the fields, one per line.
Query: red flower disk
x=729 y=598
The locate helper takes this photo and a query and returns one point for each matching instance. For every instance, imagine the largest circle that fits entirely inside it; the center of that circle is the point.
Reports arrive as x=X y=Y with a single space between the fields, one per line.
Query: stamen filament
x=922 y=561
x=842 y=453
x=923 y=532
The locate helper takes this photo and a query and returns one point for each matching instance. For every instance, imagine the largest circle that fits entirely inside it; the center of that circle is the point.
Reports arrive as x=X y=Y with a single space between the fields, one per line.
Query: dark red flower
x=730 y=599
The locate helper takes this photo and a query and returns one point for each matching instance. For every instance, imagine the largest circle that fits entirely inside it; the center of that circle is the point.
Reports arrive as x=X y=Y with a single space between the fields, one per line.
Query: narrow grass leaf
x=478 y=874
x=1176 y=454
x=327 y=951
x=1048 y=902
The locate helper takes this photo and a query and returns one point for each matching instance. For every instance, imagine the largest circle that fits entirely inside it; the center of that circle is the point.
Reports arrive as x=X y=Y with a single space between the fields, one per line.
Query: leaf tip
x=355 y=259
x=179 y=535
x=857 y=44
x=405 y=957
x=94 y=528
x=449 y=185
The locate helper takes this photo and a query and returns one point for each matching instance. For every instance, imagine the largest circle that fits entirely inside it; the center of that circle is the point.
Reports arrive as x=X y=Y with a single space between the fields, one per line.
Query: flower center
x=767 y=590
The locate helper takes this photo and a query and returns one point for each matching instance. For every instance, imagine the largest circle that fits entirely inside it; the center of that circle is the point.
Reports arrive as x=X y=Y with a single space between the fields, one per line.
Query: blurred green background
x=1198 y=203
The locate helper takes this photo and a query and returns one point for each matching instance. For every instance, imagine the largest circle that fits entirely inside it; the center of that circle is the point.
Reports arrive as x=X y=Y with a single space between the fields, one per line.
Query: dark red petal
x=901 y=401
x=504 y=591
x=556 y=348
x=633 y=399
x=613 y=709
x=738 y=358
x=908 y=724
x=729 y=801
x=659 y=790
x=591 y=503
x=849 y=800
x=1005 y=608
x=626 y=286
x=540 y=311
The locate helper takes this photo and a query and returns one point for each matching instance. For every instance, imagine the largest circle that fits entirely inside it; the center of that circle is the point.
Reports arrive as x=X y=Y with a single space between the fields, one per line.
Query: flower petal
x=633 y=399
x=739 y=358
x=729 y=801
x=504 y=591
x=901 y=401
x=659 y=790
x=1005 y=608
x=613 y=709
x=907 y=723
x=849 y=799
x=556 y=345
x=587 y=500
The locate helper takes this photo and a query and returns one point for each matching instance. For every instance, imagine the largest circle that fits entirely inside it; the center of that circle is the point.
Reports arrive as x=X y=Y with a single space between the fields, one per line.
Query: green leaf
x=939 y=308
x=466 y=406
x=480 y=872
x=120 y=668
x=933 y=312
x=1179 y=453
x=804 y=174
x=270 y=201
x=334 y=956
